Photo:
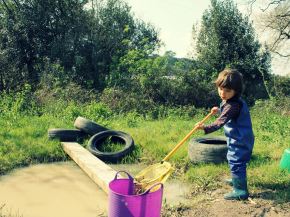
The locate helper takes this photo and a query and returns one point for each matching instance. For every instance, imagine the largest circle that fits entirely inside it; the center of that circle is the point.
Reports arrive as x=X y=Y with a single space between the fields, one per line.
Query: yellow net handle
x=186 y=137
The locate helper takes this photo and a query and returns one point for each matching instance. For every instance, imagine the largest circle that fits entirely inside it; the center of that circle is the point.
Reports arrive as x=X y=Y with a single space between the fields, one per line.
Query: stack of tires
x=98 y=134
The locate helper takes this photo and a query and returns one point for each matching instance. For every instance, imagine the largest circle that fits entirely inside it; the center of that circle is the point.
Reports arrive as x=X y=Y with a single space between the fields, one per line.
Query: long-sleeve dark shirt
x=230 y=110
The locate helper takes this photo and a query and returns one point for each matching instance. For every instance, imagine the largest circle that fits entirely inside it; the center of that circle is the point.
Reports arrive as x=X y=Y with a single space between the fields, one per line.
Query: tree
x=227 y=39
x=275 y=19
x=36 y=29
x=116 y=33
x=84 y=40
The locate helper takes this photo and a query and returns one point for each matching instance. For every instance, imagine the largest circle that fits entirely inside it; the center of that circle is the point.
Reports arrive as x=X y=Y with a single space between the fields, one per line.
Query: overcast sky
x=174 y=20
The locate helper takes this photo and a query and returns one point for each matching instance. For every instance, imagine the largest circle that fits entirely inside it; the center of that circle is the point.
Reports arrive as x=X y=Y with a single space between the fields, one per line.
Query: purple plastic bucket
x=124 y=203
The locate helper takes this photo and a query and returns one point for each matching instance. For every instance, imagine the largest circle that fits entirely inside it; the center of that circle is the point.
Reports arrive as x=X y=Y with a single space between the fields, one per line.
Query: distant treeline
x=99 y=50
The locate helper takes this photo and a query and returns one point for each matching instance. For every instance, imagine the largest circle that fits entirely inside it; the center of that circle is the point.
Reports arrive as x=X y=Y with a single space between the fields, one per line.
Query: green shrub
x=121 y=101
x=279 y=86
x=20 y=102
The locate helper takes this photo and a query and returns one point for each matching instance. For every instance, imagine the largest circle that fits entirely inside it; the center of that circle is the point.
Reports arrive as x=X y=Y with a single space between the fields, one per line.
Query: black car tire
x=88 y=126
x=96 y=141
x=66 y=135
x=208 y=150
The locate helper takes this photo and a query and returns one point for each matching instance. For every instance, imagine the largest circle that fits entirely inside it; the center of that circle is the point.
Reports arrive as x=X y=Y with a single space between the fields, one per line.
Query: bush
x=280 y=86
x=280 y=105
x=20 y=102
x=121 y=101
x=69 y=92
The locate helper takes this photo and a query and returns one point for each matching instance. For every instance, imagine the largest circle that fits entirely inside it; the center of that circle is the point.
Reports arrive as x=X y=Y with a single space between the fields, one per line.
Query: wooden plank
x=96 y=169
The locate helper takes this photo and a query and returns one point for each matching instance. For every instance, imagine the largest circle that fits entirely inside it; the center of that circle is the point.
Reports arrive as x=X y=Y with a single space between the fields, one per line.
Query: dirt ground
x=213 y=205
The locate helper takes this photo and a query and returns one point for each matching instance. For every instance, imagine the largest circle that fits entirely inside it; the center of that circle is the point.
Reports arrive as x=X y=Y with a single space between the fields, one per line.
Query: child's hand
x=200 y=126
x=214 y=110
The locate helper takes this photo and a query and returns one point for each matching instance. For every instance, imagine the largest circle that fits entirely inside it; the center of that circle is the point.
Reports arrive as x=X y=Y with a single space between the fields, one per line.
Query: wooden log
x=97 y=170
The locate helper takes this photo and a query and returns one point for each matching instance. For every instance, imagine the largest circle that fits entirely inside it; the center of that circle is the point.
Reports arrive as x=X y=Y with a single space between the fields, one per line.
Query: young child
x=236 y=120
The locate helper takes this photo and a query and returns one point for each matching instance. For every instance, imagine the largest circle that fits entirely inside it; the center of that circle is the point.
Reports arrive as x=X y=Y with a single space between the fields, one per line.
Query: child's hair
x=231 y=79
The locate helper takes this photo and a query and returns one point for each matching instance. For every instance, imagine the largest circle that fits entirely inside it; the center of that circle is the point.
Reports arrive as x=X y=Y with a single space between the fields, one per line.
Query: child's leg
x=236 y=172
x=238 y=159
x=238 y=169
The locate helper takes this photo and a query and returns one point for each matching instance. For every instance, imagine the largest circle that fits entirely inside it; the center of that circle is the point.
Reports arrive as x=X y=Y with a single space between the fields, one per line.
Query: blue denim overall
x=240 y=141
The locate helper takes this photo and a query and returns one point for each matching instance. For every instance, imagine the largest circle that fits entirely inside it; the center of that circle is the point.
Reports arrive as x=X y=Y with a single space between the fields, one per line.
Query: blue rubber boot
x=240 y=190
x=229 y=182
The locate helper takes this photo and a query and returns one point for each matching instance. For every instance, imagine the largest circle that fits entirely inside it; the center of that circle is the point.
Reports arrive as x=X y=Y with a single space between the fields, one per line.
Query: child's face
x=225 y=93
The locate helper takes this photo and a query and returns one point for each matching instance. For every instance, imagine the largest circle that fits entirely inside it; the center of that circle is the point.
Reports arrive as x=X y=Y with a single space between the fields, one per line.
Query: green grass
x=110 y=146
x=24 y=142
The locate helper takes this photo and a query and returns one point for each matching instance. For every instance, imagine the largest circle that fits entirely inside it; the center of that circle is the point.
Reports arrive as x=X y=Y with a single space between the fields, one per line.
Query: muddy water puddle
x=64 y=190
x=51 y=190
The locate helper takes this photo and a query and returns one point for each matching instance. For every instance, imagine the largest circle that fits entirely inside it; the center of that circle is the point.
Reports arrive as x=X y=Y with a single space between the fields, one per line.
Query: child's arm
x=231 y=110
x=214 y=111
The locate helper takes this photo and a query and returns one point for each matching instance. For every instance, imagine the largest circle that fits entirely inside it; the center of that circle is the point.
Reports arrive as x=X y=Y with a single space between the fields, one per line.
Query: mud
x=212 y=204
x=48 y=190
